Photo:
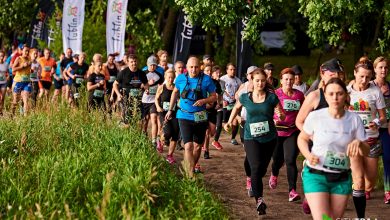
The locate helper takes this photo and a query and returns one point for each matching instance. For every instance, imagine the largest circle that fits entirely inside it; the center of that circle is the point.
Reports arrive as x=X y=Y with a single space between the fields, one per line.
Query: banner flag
x=184 y=33
x=72 y=25
x=116 y=27
x=243 y=50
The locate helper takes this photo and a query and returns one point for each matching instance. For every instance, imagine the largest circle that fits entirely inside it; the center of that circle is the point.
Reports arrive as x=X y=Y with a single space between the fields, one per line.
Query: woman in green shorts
x=326 y=175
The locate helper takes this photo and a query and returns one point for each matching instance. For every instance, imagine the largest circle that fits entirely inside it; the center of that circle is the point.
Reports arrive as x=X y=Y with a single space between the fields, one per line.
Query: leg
x=359 y=199
x=153 y=119
x=278 y=156
x=291 y=152
x=218 y=125
x=25 y=98
x=385 y=139
x=2 y=98
x=338 y=203
x=371 y=172
x=319 y=204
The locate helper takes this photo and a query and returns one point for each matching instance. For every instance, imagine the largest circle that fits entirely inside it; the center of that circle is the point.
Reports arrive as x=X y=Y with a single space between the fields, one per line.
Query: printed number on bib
x=79 y=80
x=165 y=106
x=366 y=118
x=291 y=105
x=2 y=76
x=337 y=161
x=112 y=79
x=153 y=90
x=33 y=75
x=200 y=116
x=25 y=78
x=259 y=128
x=134 y=92
x=98 y=93
x=47 y=68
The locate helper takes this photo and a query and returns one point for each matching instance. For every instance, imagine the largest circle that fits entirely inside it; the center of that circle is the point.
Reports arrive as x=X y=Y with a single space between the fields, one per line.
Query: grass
x=66 y=163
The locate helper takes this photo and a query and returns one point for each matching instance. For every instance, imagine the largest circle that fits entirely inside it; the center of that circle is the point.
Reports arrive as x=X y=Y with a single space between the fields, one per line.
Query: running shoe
x=306 y=207
x=248 y=182
x=197 y=169
x=171 y=159
x=250 y=192
x=273 y=182
x=293 y=196
x=160 y=146
x=387 y=197
x=234 y=142
x=261 y=206
x=206 y=155
x=217 y=145
x=368 y=195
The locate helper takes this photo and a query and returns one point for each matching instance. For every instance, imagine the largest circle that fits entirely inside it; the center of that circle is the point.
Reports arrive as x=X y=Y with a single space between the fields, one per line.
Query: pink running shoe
x=273 y=182
x=293 y=196
x=171 y=159
x=368 y=195
x=197 y=168
x=217 y=145
x=306 y=207
x=248 y=183
x=387 y=197
x=160 y=146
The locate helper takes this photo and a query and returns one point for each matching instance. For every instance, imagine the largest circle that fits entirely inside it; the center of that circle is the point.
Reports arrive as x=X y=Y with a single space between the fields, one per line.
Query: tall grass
x=68 y=163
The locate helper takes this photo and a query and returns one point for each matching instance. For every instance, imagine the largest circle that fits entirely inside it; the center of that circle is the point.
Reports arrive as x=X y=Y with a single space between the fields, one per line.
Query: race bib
x=366 y=118
x=79 y=80
x=387 y=113
x=98 y=93
x=291 y=105
x=25 y=78
x=200 y=116
x=153 y=90
x=76 y=95
x=165 y=106
x=134 y=92
x=47 y=68
x=259 y=128
x=33 y=75
x=2 y=76
x=337 y=161
x=230 y=106
x=112 y=79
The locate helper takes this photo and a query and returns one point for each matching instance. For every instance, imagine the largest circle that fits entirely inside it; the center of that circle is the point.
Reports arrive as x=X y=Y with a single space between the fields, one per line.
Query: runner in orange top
x=48 y=66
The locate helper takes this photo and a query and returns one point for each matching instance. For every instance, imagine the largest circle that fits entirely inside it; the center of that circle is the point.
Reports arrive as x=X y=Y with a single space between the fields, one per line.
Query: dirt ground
x=224 y=176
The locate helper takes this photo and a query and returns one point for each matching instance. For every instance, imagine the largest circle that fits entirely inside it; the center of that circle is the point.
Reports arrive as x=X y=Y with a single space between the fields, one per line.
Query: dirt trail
x=224 y=175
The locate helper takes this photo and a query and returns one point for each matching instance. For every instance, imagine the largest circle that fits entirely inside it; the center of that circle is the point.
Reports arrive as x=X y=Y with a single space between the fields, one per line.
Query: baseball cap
x=251 y=69
x=152 y=60
x=297 y=69
x=269 y=66
x=205 y=57
x=21 y=46
x=333 y=65
x=76 y=56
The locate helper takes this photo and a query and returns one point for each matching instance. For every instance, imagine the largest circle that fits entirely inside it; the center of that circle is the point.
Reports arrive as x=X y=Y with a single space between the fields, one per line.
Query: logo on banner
x=72 y=10
x=187 y=31
x=117 y=7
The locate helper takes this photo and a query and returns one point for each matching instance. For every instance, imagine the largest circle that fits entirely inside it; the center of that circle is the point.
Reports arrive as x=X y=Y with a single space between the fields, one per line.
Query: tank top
x=322 y=103
x=113 y=74
x=165 y=98
x=23 y=75
x=34 y=74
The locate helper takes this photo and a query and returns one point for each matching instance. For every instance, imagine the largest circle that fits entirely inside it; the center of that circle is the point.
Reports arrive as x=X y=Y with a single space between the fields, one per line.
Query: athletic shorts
x=22 y=86
x=191 y=131
x=3 y=86
x=212 y=116
x=314 y=183
x=44 y=84
x=10 y=81
x=148 y=108
x=58 y=84
x=226 y=115
x=375 y=148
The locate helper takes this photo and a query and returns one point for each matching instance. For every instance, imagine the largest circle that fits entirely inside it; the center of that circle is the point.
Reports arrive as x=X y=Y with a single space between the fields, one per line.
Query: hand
x=312 y=159
x=225 y=103
x=373 y=126
x=111 y=98
x=159 y=109
x=353 y=149
x=25 y=64
x=227 y=127
x=119 y=97
x=151 y=82
x=168 y=116
x=200 y=102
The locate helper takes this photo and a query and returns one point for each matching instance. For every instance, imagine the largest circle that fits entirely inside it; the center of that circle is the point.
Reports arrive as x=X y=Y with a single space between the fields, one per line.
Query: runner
x=381 y=70
x=260 y=134
x=315 y=100
x=367 y=101
x=170 y=128
x=216 y=74
x=64 y=64
x=230 y=84
x=22 y=83
x=286 y=150
x=34 y=75
x=113 y=70
x=179 y=68
x=212 y=112
x=77 y=72
x=59 y=85
x=298 y=84
x=127 y=87
x=3 y=80
x=326 y=175
x=193 y=88
x=48 y=67
x=269 y=69
x=163 y=60
x=96 y=87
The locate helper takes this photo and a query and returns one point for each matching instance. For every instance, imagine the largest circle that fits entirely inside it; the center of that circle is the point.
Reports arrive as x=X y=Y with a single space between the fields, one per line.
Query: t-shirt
x=46 y=67
x=386 y=96
x=242 y=91
x=97 y=93
x=65 y=62
x=149 y=98
x=303 y=87
x=259 y=124
x=230 y=85
x=200 y=85
x=34 y=71
x=365 y=104
x=331 y=137
x=291 y=106
x=79 y=70
x=131 y=81
x=3 y=73
x=58 y=70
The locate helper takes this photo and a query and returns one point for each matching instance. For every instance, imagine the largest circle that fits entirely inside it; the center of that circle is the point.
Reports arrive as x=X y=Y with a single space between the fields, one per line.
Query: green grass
x=64 y=163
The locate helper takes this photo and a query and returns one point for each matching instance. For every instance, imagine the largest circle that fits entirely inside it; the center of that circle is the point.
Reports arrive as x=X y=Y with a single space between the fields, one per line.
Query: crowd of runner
x=340 y=127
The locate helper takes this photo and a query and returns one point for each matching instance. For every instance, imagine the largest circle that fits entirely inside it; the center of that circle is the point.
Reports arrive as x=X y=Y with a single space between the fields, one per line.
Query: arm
x=68 y=72
x=303 y=145
x=17 y=65
x=306 y=108
x=172 y=103
x=115 y=87
x=157 y=98
x=212 y=98
x=279 y=112
x=236 y=109
x=358 y=148
x=90 y=86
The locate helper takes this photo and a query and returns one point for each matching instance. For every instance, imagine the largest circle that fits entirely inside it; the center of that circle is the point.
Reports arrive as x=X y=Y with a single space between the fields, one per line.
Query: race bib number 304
x=259 y=128
x=337 y=161
x=200 y=116
x=291 y=105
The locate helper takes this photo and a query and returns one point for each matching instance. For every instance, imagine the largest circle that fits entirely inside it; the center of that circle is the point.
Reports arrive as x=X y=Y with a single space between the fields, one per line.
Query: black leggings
x=170 y=128
x=218 y=125
x=259 y=155
x=287 y=151
x=246 y=162
x=34 y=93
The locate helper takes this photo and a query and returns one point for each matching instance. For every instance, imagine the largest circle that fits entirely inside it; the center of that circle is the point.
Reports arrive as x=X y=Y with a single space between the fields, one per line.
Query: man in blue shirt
x=195 y=90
